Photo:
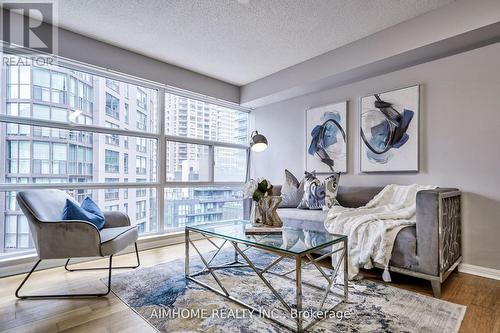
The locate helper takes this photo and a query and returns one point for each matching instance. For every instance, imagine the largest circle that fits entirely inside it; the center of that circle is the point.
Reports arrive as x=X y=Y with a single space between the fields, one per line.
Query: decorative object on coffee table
x=264 y=205
x=267 y=211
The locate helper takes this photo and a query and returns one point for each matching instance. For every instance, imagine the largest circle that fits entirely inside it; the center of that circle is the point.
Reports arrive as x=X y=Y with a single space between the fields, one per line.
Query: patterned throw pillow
x=291 y=191
x=331 y=189
x=314 y=192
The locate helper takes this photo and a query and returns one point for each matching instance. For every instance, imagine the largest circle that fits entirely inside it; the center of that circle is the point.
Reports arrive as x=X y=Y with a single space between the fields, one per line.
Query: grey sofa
x=56 y=239
x=430 y=250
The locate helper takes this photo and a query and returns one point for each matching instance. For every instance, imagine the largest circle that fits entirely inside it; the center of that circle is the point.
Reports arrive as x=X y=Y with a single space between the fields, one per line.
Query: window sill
x=23 y=264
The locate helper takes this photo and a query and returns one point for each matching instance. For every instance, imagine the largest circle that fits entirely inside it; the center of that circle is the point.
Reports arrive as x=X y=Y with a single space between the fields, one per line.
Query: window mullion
x=161 y=162
x=211 y=163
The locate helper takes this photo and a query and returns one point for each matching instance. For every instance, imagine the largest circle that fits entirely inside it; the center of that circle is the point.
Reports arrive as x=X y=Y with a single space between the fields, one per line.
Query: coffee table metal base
x=301 y=261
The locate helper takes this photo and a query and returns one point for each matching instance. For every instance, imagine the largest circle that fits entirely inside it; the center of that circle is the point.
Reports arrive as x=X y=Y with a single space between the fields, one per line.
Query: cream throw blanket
x=372 y=229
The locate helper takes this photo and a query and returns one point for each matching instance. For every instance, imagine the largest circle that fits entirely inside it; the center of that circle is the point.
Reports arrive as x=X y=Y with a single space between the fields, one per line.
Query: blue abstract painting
x=389 y=131
x=326 y=137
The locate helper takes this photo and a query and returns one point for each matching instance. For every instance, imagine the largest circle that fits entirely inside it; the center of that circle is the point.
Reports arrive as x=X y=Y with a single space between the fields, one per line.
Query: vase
x=264 y=213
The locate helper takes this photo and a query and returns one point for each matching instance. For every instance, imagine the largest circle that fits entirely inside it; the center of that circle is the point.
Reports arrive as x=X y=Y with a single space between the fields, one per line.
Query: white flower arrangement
x=256 y=189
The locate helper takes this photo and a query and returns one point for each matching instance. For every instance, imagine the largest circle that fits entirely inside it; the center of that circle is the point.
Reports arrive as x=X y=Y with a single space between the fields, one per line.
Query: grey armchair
x=56 y=239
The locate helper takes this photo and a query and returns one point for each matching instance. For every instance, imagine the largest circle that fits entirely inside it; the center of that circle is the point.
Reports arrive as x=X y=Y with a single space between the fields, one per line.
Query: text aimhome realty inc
x=224 y=313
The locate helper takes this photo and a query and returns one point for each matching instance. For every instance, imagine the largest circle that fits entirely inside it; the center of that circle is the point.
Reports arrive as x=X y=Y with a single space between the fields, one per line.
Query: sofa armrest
x=67 y=239
x=116 y=219
x=435 y=226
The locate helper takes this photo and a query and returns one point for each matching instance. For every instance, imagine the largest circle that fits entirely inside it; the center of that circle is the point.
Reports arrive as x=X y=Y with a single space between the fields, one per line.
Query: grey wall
x=459 y=138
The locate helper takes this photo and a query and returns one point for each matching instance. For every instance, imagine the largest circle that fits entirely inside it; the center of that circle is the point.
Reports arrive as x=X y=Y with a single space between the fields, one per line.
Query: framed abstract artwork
x=389 y=131
x=326 y=138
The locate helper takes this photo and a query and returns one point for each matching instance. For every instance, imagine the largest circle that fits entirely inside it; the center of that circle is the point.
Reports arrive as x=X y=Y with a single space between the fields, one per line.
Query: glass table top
x=290 y=240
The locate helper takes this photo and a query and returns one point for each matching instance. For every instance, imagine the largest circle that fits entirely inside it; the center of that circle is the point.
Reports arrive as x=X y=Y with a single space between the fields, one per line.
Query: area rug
x=161 y=296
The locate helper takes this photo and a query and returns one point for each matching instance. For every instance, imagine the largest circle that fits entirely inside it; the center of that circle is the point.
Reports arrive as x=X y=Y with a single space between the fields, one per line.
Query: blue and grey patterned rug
x=160 y=296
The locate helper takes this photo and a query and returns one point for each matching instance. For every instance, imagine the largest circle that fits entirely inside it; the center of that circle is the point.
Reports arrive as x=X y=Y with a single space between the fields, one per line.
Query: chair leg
x=96 y=268
x=63 y=295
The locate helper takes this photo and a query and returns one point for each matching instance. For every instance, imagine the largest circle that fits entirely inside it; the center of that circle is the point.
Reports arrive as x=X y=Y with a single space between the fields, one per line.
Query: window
x=227 y=131
x=194 y=205
x=73 y=155
x=187 y=162
x=10 y=200
x=17 y=232
x=112 y=193
x=112 y=208
x=140 y=165
x=111 y=163
x=229 y=164
x=186 y=117
x=18 y=82
x=112 y=106
x=112 y=139
x=49 y=86
x=141 y=121
x=41 y=84
x=141 y=99
x=59 y=158
x=140 y=209
x=205 y=145
x=72 y=91
x=125 y=115
x=18 y=156
x=141 y=145
x=21 y=110
x=125 y=163
x=58 y=87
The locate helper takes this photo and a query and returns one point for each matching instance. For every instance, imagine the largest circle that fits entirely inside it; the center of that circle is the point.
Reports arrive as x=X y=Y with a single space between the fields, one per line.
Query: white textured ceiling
x=237 y=41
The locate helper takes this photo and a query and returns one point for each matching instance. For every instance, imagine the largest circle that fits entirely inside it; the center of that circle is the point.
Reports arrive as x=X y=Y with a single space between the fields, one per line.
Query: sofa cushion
x=331 y=189
x=90 y=206
x=291 y=191
x=314 y=192
x=73 y=211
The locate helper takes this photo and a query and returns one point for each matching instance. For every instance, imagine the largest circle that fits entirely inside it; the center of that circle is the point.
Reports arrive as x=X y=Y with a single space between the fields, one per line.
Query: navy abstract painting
x=326 y=138
x=389 y=131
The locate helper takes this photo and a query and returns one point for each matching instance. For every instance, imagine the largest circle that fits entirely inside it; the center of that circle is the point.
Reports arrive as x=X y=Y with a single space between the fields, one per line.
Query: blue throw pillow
x=74 y=212
x=90 y=206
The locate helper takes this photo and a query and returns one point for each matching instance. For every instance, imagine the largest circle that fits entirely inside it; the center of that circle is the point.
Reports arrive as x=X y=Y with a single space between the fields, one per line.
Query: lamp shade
x=258 y=142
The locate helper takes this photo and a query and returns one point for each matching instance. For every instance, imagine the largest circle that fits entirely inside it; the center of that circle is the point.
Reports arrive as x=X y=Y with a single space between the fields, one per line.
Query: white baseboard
x=486 y=272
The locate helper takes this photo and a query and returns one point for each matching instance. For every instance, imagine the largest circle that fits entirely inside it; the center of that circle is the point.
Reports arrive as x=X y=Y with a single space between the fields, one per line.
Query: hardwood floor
x=109 y=314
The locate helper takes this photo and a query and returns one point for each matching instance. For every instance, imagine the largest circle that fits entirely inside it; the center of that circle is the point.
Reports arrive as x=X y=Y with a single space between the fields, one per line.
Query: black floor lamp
x=258 y=143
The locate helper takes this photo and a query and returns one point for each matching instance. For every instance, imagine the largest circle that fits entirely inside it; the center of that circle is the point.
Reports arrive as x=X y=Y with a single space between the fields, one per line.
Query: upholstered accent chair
x=58 y=239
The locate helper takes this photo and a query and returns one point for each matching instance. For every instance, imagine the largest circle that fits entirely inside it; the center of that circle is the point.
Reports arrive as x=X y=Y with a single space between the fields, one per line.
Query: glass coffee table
x=233 y=233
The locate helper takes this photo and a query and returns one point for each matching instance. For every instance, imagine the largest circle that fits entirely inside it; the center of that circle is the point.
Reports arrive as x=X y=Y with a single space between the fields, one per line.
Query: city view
x=41 y=155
